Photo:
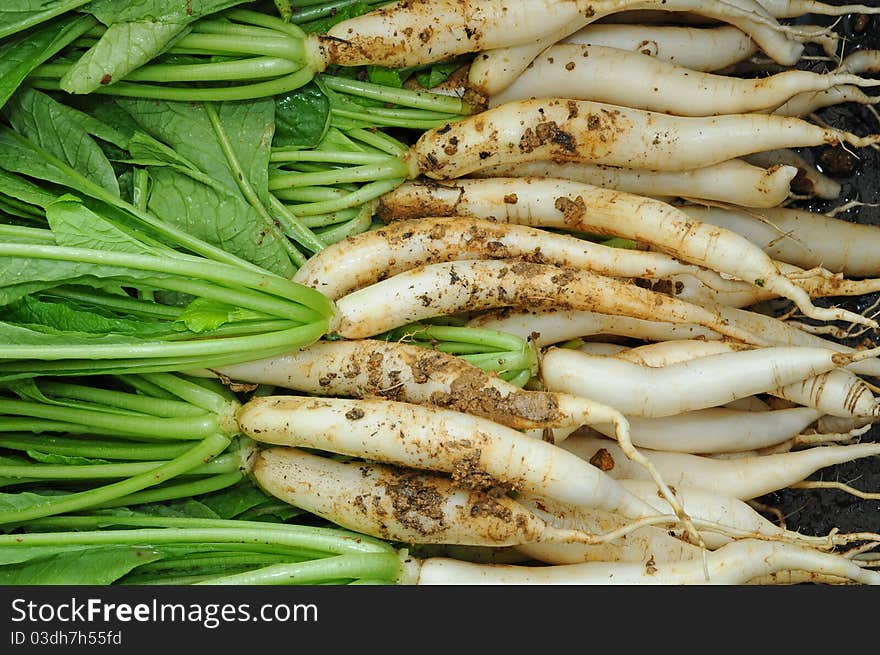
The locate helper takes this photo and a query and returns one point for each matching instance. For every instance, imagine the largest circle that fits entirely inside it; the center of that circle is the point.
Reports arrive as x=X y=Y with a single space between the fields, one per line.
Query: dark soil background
x=816 y=512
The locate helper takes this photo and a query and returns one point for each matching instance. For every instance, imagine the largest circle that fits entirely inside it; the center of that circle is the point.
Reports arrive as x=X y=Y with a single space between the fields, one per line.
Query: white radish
x=717 y=429
x=618 y=77
x=582 y=130
x=861 y=61
x=569 y=205
x=808 y=181
x=742 y=477
x=418 y=32
x=735 y=563
x=449 y=288
x=804 y=104
x=646 y=543
x=712 y=508
x=734 y=181
x=399 y=504
x=817 y=283
x=493 y=70
x=779 y=333
x=549 y=327
x=795 y=8
x=837 y=392
x=408 y=373
x=478 y=453
x=705 y=49
x=803 y=238
x=372 y=256
x=708 y=381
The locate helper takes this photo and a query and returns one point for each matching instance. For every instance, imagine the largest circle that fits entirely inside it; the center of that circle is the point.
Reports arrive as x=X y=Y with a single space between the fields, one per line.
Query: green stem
x=265 y=20
x=245 y=186
x=205 y=451
x=379 y=140
x=102 y=449
x=294 y=227
x=327 y=156
x=170 y=530
x=181 y=266
x=364 y=194
x=230 y=351
x=175 y=491
x=184 y=428
x=391 y=168
x=290 y=48
x=172 y=351
x=276 y=86
x=8 y=424
x=358 y=224
x=384 y=566
x=121 y=399
x=191 y=392
x=15 y=232
x=119 y=470
x=116 y=302
x=401 y=97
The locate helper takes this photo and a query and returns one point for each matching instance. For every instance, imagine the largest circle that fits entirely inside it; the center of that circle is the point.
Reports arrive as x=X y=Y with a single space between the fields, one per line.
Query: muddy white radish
x=734 y=181
x=400 y=504
x=372 y=256
x=617 y=77
x=569 y=205
x=476 y=452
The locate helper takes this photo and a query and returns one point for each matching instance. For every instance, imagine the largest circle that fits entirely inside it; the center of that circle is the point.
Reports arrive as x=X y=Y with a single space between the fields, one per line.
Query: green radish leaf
x=188 y=508
x=302 y=118
x=71 y=460
x=98 y=565
x=76 y=226
x=386 y=76
x=204 y=314
x=19 y=15
x=137 y=33
x=21 y=189
x=55 y=128
x=233 y=501
x=21 y=554
x=436 y=75
x=215 y=211
x=67 y=316
x=19 y=56
x=321 y=25
x=19 y=155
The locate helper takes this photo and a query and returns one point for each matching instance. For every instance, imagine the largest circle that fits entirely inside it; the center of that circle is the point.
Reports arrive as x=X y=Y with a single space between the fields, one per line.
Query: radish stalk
x=551 y=202
x=733 y=181
x=613 y=76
